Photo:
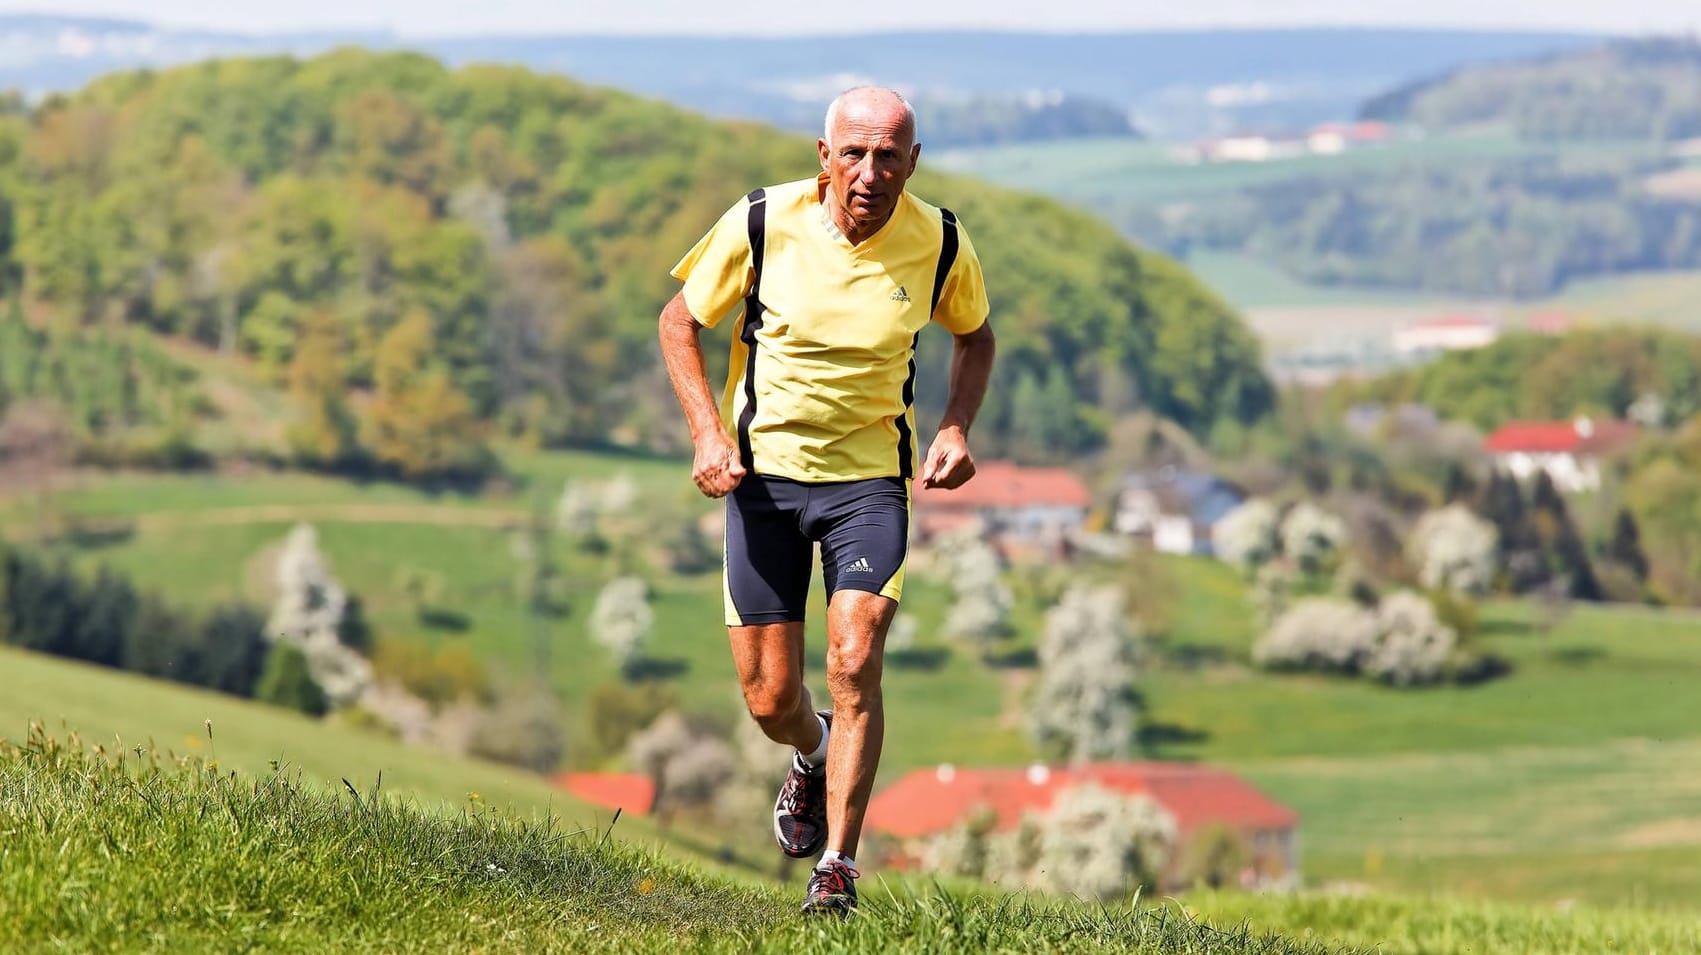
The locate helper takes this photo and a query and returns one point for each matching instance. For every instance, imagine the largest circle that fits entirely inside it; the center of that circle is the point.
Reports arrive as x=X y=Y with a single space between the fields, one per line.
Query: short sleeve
x=962 y=302
x=716 y=272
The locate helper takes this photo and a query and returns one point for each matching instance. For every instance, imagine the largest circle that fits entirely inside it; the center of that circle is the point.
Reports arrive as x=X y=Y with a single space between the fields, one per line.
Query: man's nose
x=865 y=171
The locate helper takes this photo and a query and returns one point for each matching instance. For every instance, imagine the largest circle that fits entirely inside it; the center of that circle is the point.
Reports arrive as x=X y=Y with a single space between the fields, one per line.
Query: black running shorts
x=773 y=525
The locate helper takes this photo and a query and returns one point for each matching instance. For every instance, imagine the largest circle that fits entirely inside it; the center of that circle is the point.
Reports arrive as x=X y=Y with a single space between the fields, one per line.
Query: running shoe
x=832 y=889
x=800 y=812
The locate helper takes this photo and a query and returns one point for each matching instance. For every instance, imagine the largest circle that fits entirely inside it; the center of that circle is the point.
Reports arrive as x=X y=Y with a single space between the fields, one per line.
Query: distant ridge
x=1175 y=83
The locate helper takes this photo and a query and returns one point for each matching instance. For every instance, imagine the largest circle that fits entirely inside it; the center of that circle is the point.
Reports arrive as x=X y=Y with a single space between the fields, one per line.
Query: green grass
x=121 y=853
x=1603 y=674
x=1111 y=171
x=119 y=710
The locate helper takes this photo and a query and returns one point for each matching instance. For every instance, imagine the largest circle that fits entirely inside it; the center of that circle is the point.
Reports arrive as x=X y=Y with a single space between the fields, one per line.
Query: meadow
x=1576 y=776
x=131 y=852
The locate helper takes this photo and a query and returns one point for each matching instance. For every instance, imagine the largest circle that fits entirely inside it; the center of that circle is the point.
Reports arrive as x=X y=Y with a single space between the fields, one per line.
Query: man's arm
x=949 y=463
x=715 y=468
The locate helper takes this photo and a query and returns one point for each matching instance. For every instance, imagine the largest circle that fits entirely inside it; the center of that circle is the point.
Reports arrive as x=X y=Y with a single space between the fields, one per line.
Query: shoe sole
x=780 y=840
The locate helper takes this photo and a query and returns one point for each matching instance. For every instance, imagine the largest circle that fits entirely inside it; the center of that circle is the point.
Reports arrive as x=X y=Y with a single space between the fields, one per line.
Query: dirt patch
x=1666 y=832
x=334 y=514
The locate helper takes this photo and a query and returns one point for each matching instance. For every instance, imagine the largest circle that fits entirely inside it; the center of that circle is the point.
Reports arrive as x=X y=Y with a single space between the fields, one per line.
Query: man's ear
x=824 y=151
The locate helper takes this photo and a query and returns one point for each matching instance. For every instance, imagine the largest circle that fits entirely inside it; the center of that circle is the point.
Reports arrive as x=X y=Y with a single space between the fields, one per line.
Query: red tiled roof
x=927 y=801
x=1559 y=437
x=632 y=793
x=1455 y=321
x=1548 y=323
x=1002 y=485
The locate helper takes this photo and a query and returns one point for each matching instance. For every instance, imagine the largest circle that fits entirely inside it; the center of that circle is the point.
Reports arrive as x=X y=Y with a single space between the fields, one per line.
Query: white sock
x=820 y=755
x=832 y=854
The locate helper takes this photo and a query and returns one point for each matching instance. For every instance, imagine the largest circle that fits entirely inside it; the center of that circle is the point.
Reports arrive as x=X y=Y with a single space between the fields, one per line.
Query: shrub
x=525 y=727
x=1318 y=633
x=1412 y=645
x=1453 y=549
x=286 y=682
x=1247 y=536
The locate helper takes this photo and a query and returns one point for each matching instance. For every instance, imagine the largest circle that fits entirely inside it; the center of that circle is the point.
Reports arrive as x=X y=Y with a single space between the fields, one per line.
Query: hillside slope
x=493 y=243
x=190 y=858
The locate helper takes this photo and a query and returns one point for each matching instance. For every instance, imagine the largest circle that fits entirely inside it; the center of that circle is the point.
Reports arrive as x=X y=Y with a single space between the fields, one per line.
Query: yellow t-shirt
x=820 y=376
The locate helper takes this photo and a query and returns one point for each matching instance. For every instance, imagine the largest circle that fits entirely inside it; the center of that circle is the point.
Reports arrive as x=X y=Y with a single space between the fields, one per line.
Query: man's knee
x=771 y=701
x=853 y=674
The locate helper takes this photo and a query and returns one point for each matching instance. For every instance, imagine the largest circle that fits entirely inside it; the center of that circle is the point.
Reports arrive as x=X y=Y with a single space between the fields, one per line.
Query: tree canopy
x=520 y=228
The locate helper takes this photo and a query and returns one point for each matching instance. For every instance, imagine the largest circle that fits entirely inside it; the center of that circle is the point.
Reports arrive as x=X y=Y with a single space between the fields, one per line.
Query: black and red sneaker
x=800 y=812
x=832 y=889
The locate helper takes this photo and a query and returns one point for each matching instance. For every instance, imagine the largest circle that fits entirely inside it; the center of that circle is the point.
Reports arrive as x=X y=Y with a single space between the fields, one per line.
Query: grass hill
x=175 y=854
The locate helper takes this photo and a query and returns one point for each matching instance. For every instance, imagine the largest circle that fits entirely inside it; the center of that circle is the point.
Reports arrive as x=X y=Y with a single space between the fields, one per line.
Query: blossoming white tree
x=310 y=611
x=622 y=618
x=1413 y=645
x=1083 y=702
x=1454 y=549
x=1248 y=535
x=1312 y=537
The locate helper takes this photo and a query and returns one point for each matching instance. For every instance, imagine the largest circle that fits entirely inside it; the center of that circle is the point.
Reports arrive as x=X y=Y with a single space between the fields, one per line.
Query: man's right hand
x=716 y=467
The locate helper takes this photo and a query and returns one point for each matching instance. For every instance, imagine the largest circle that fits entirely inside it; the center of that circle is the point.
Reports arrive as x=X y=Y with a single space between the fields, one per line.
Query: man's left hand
x=949 y=464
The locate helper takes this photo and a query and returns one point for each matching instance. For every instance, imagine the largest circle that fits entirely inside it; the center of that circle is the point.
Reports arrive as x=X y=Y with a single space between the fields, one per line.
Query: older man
x=814 y=440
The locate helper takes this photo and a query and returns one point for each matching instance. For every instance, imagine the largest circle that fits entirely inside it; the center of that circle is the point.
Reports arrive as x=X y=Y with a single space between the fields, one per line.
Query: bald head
x=869 y=106
x=868 y=151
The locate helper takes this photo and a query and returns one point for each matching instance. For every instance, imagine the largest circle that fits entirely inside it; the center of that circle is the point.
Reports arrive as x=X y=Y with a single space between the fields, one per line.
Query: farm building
x=926 y=803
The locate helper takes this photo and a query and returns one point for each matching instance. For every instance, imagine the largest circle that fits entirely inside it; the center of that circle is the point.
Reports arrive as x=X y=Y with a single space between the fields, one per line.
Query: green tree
x=418 y=422
x=325 y=434
x=1625 y=548
x=286 y=682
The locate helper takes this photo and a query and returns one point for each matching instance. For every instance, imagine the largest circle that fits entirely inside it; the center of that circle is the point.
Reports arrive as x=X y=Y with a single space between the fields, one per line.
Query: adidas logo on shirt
x=900 y=295
x=858 y=566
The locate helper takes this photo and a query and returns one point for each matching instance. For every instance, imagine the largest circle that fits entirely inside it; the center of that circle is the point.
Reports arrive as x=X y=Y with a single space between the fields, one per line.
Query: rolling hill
x=1643 y=89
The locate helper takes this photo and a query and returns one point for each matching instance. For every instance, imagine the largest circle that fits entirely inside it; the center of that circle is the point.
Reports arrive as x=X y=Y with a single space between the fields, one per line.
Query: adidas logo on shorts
x=858 y=566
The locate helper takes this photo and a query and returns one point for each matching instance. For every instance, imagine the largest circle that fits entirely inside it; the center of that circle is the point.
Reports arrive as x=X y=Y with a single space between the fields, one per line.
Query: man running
x=813 y=442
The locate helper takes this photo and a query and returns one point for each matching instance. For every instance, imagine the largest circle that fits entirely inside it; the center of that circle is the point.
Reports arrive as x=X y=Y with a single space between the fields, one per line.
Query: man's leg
x=766 y=589
x=769 y=658
x=856 y=641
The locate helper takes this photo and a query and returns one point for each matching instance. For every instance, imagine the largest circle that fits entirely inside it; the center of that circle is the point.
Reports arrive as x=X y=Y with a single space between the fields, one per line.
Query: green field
x=1129 y=181
x=1576 y=776
x=120 y=711
x=1116 y=171
x=116 y=854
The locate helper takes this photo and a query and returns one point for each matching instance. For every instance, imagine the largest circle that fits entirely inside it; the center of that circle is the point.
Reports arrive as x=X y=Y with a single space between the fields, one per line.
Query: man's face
x=872 y=154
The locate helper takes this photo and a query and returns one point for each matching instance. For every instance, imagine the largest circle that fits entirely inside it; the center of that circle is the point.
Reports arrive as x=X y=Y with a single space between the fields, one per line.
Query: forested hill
x=1624 y=89
x=492 y=245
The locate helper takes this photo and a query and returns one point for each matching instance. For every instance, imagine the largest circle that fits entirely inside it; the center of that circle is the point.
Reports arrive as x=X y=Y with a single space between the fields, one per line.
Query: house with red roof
x=1570 y=452
x=926 y=803
x=1021 y=504
x=631 y=793
x=1445 y=333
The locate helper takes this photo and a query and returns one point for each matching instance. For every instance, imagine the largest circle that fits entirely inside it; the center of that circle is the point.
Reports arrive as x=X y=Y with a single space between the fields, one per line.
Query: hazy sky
x=792 y=16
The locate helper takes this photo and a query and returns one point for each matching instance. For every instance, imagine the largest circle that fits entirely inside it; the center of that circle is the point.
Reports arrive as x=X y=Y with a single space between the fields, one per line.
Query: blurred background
x=1339 y=523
